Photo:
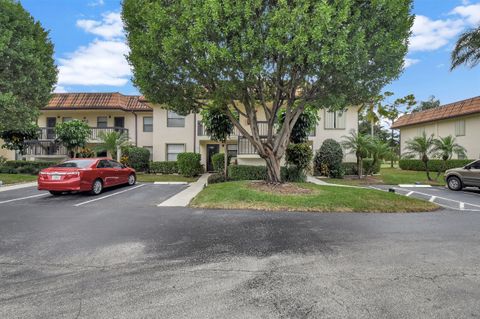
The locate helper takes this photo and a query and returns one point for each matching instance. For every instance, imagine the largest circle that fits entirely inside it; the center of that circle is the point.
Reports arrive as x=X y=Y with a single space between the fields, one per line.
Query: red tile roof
x=92 y=101
x=456 y=109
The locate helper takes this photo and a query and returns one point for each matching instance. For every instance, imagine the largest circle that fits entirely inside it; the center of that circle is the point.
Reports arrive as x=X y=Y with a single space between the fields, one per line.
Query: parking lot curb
x=17 y=186
x=184 y=198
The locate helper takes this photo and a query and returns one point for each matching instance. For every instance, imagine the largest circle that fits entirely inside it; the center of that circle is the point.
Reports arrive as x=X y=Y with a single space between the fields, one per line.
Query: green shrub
x=299 y=155
x=189 y=164
x=367 y=166
x=28 y=169
x=36 y=164
x=293 y=174
x=247 y=172
x=349 y=168
x=328 y=159
x=433 y=165
x=252 y=172
x=218 y=161
x=136 y=157
x=86 y=153
x=8 y=170
x=163 y=167
x=216 y=178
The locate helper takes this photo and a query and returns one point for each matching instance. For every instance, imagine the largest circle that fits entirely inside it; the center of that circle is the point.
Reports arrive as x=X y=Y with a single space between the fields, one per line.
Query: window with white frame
x=460 y=128
x=175 y=120
x=148 y=124
x=102 y=121
x=150 y=149
x=232 y=150
x=173 y=150
x=335 y=120
x=67 y=119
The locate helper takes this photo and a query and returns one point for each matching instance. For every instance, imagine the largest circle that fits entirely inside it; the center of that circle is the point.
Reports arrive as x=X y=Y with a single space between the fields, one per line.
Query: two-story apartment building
x=459 y=119
x=163 y=132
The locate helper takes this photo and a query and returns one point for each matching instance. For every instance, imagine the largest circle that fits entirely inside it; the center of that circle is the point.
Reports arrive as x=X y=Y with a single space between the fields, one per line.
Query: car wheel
x=55 y=193
x=132 y=179
x=454 y=183
x=97 y=187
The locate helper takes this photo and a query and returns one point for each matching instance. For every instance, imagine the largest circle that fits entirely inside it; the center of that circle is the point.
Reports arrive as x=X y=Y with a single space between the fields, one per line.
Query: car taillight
x=72 y=174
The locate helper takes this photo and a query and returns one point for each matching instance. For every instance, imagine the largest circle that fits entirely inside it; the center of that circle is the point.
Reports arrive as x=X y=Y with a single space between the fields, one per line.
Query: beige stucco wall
x=9 y=155
x=90 y=116
x=471 y=140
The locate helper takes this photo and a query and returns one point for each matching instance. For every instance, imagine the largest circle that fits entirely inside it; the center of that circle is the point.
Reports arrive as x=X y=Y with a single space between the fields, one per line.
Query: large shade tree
x=27 y=69
x=253 y=55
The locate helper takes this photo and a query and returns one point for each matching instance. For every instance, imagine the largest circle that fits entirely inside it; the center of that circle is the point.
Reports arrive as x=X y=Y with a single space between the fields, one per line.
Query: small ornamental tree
x=250 y=56
x=328 y=159
x=422 y=147
x=27 y=68
x=358 y=144
x=219 y=127
x=15 y=139
x=73 y=135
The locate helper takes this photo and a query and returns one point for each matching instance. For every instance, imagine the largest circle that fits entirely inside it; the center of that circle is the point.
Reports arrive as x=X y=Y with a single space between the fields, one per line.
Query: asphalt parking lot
x=121 y=256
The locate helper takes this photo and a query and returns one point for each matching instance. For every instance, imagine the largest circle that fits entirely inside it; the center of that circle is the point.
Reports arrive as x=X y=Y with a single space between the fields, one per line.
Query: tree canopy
x=27 y=69
x=267 y=55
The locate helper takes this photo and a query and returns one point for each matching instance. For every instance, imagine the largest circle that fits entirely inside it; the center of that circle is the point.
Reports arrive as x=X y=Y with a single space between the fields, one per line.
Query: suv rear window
x=77 y=164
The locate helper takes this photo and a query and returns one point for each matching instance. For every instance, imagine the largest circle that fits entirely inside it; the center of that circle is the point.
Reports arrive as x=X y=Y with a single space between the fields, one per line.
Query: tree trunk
x=359 y=167
x=225 y=161
x=274 y=175
x=392 y=145
x=426 y=170
x=373 y=127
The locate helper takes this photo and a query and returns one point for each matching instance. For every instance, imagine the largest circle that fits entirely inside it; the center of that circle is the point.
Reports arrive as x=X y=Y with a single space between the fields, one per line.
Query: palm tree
x=379 y=150
x=359 y=145
x=445 y=147
x=111 y=142
x=423 y=147
x=467 y=49
x=374 y=109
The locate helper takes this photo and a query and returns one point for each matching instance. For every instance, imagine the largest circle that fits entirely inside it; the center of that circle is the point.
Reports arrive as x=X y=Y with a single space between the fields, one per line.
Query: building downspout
x=194 y=132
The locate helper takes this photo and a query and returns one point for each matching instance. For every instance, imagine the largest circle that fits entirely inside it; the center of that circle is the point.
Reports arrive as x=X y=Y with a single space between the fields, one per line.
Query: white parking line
x=410 y=193
x=432 y=199
x=462 y=206
x=107 y=196
x=22 y=198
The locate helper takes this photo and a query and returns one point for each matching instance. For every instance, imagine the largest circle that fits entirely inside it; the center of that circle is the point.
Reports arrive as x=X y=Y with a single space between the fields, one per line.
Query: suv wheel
x=454 y=183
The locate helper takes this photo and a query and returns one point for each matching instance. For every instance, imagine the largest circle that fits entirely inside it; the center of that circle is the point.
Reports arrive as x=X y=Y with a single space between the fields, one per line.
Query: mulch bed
x=284 y=188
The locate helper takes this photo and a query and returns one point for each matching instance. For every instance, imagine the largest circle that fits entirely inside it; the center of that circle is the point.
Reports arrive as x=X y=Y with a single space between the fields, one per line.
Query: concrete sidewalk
x=183 y=198
x=317 y=181
x=17 y=186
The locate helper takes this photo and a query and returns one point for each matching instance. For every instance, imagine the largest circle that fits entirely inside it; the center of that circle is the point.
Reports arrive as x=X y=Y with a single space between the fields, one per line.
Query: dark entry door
x=51 y=122
x=212 y=149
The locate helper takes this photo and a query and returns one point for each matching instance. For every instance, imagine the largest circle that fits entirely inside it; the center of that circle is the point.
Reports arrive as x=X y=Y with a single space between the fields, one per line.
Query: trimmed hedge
x=216 y=178
x=367 y=166
x=252 y=172
x=351 y=168
x=328 y=159
x=25 y=167
x=163 y=167
x=433 y=165
x=189 y=164
x=218 y=161
x=137 y=157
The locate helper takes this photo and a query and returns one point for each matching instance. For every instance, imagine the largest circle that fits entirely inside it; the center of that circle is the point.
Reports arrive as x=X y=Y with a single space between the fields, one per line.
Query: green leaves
x=217 y=125
x=27 y=69
x=73 y=134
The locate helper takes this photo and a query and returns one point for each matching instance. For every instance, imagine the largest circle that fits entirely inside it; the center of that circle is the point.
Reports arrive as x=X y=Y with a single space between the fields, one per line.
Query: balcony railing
x=262 y=128
x=44 y=148
x=245 y=147
x=48 y=133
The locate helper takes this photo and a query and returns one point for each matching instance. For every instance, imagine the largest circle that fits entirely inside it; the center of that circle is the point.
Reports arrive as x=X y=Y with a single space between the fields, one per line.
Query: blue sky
x=90 y=48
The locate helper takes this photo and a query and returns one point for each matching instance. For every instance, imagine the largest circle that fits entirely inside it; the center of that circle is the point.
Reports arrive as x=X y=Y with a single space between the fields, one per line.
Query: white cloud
x=409 y=62
x=102 y=61
x=96 y=3
x=470 y=13
x=59 y=89
x=430 y=35
x=110 y=27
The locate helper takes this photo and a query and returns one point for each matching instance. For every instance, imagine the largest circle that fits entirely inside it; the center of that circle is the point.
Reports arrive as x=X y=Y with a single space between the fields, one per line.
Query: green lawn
x=17 y=178
x=391 y=176
x=150 y=178
x=241 y=195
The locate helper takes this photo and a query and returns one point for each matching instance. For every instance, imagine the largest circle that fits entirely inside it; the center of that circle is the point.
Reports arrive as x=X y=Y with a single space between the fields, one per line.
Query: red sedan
x=85 y=175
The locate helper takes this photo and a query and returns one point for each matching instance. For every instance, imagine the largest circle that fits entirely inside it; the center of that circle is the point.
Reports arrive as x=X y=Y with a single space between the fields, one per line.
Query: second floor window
x=66 y=119
x=175 y=120
x=335 y=120
x=102 y=121
x=460 y=128
x=148 y=124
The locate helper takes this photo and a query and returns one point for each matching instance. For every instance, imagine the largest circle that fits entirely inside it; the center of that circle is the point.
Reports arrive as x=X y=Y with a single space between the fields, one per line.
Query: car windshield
x=77 y=164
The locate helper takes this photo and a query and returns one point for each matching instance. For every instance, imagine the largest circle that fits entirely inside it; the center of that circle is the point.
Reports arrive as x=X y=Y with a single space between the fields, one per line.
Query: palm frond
x=467 y=49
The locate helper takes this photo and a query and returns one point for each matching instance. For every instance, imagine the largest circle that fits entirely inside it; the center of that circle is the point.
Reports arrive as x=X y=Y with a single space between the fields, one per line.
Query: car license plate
x=55 y=177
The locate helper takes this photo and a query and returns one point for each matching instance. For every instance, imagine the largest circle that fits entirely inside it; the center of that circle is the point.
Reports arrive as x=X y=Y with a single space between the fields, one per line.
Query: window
x=150 y=149
x=200 y=130
x=115 y=164
x=173 y=150
x=335 y=120
x=475 y=165
x=104 y=164
x=76 y=163
x=232 y=150
x=460 y=128
x=66 y=119
x=102 y=121
x=175 y=120
x=148 y=124
x=461 y=156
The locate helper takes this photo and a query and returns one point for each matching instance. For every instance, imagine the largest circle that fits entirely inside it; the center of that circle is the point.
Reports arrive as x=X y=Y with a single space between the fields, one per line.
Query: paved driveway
x=124 y=257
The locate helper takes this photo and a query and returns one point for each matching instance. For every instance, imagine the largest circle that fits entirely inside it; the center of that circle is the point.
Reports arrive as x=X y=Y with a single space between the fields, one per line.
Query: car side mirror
x=468 y=167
